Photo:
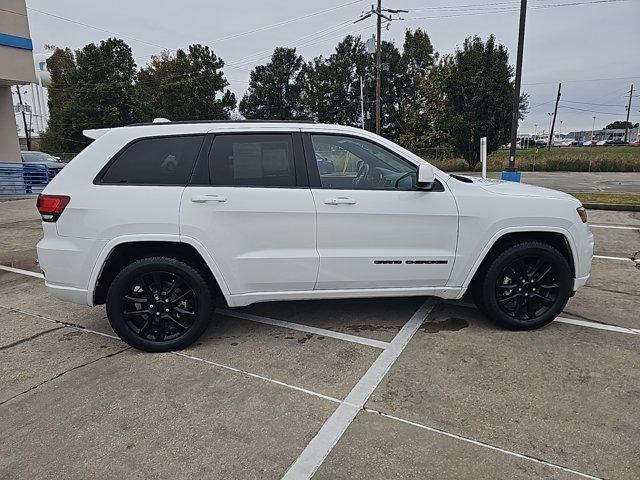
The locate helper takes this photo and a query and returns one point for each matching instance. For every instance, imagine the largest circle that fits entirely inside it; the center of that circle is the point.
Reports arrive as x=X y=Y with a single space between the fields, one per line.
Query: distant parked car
x=39 y=168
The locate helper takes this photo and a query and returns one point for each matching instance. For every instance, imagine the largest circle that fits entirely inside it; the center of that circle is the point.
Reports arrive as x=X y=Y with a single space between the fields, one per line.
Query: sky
x=593 y=49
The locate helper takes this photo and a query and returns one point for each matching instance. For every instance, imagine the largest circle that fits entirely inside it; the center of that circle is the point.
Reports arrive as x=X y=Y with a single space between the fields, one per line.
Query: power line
x=596 y=104
x=508 y=9
x=583 y=80
x=591 y=111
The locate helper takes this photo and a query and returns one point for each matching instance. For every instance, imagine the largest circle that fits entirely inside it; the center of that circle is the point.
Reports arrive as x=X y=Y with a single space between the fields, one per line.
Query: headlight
x=582 y=213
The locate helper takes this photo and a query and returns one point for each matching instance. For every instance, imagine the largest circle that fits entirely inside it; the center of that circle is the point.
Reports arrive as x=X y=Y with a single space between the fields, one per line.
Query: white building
x=17 y=68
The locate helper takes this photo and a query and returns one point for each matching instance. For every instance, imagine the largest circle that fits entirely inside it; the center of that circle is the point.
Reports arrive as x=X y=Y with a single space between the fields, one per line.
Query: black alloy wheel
x=159 y=304
x=524 y=286
x=527 y=288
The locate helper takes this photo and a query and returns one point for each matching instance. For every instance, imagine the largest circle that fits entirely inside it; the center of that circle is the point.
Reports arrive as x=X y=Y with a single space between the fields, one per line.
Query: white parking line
x=255 y=318
x=255 y=375
x=22 y=272
x=600 y=326
x=571 y=321
x=304 y=328
x=622 y=259
x=621 y=227
x=482 y=444
x=321 y=445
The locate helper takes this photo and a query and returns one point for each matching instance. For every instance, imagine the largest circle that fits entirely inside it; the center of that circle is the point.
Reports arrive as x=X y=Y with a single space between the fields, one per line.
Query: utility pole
x=593 y=128
x=27 y=133
x=378 y=62
x=516 y=98
x=380 y=13
x=553 y=120
x=626 y=127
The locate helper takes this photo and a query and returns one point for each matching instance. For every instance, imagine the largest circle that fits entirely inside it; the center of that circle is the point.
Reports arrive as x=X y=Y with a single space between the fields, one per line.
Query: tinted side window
x=155 y=161
x=252 y=160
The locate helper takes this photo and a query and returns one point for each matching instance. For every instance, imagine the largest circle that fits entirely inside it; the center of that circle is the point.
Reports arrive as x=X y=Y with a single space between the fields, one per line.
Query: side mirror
x=426 y=178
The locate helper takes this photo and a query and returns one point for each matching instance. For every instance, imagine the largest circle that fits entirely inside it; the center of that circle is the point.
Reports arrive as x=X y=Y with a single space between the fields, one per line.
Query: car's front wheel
x=159 y=304
x=524 y=287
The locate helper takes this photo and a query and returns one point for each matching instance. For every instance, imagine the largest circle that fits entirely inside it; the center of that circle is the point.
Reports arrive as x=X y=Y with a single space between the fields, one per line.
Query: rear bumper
x=67 y=263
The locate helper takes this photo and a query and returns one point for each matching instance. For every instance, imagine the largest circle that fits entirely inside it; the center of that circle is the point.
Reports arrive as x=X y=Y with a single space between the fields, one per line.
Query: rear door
x=375 y=230
x=250 y=205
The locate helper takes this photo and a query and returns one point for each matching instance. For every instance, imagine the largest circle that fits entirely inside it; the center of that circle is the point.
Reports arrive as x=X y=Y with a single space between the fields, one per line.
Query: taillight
x=51 y=206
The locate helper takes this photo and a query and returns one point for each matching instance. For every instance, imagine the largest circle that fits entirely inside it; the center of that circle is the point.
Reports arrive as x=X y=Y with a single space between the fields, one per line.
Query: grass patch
x=609 y=198
x=559 y=159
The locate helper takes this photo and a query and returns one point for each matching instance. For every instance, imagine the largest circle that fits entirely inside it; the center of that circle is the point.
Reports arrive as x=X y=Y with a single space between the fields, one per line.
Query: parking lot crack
x=65 y=372
x=23 y=340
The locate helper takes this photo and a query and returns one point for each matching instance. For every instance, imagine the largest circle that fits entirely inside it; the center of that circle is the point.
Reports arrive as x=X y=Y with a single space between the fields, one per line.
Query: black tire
x=181 y=310
x=525 y=286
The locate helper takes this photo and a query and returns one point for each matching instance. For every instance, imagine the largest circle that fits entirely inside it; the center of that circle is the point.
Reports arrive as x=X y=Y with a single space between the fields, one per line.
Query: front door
x=254 y=213
x=375 y=230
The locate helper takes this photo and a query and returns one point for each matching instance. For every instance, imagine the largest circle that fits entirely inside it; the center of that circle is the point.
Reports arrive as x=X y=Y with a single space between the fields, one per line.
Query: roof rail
x=187 y=122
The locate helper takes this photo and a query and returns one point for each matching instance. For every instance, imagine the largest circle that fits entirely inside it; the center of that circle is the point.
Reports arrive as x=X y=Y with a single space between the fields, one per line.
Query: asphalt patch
x=451 y=324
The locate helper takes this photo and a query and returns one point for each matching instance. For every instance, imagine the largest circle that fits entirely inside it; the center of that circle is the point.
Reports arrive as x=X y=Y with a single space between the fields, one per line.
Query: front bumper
x=584 y=252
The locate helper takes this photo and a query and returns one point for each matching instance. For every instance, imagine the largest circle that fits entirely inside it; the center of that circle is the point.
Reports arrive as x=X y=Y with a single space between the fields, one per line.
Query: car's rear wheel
x=159 y=304
x=524 y=287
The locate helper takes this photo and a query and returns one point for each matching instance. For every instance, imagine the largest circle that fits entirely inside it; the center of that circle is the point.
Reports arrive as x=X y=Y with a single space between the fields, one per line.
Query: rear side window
x=252 y=160
x=155 y=161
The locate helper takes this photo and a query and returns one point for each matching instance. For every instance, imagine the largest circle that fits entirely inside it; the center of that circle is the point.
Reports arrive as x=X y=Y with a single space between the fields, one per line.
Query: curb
x=623 y=207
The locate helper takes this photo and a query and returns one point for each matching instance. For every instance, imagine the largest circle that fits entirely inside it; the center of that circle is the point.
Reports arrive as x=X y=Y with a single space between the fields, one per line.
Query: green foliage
x=565 y=159
x=330 y=88
x=621 y=124
x=60 y=132
x=274 y=90
x=92 y=88
x=185 y=86
x=476 y=90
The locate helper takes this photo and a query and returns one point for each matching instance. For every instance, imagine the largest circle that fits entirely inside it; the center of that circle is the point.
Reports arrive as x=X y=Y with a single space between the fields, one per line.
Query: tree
x=57 y=137
x=274 y=90
x=621 y=124
x=477 y=93
x=330 y=88
x=185 y=86
x=92 y=88
x=418 y=53
x=418 y=57
x=424 y=115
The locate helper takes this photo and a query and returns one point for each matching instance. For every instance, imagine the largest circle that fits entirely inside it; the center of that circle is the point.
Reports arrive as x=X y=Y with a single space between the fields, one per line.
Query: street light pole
x=378 y=63
x=593 y=128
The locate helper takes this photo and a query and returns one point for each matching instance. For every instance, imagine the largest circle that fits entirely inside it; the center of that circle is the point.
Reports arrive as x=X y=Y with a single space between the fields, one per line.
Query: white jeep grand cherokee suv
x=160 y=220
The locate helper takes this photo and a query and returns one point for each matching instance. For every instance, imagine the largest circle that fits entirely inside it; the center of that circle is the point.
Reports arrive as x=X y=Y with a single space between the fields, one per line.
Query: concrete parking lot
x=385 y=388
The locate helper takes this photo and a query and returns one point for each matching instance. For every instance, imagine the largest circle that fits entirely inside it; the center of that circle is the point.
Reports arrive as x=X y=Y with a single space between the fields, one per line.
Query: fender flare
x=102 y=257
x=520 y=229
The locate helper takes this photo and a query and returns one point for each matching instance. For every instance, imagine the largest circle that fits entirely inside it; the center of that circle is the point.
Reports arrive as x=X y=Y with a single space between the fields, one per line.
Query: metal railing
x=23 y=179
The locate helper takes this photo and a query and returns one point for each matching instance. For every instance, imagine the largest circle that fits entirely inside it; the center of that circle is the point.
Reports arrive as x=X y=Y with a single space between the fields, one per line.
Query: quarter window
x=252 y=160
x=357 y=164
x=155 y=161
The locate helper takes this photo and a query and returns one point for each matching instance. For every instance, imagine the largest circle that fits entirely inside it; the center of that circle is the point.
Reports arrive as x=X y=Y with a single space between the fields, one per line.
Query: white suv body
x=290 y=211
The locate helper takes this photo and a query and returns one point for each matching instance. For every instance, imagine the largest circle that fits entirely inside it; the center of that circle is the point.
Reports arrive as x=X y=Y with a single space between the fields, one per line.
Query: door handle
x=340 y=201
x=208 y=198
